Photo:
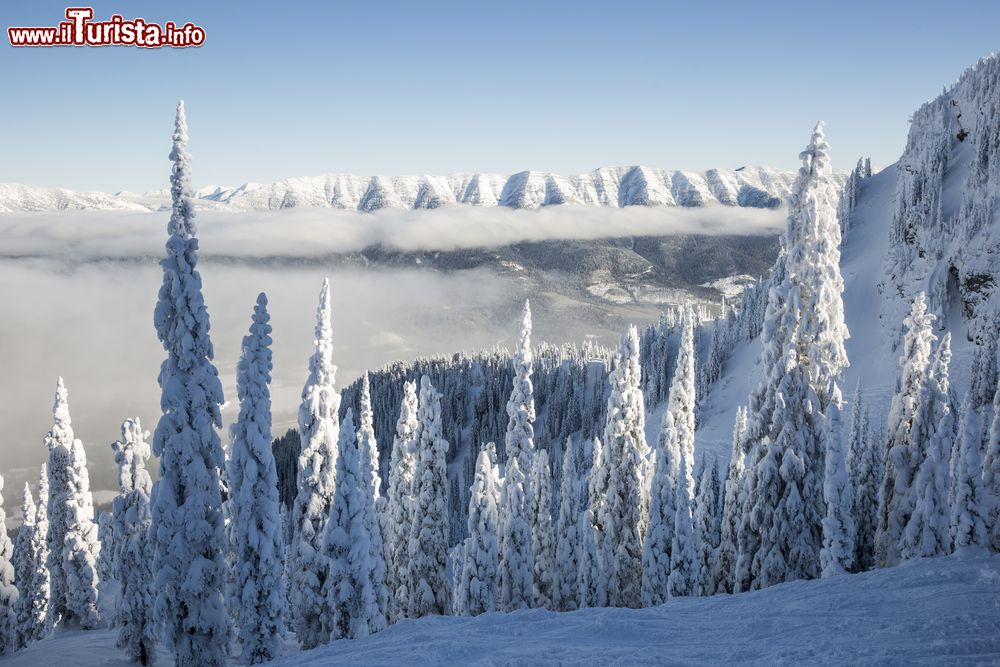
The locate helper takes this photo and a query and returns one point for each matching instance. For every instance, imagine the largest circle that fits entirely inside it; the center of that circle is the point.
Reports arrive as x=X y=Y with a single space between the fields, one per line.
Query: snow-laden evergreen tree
x=780 y=532
x=928 y=531
x=519 y=440
x=187 y=528
x=567 y=565
x=8 y=591
x=319 y=428
x=676 y=436
x=368 y=449
x=480 y=577
x=399 y=509
x=429 y=585
x=24 y=572
x=106 y=538
x=707 y=527
x=258 y=550
x=543 y=539
x=597 y=496
x=59 y=441
x=516 y=561
x=622 y=514
x=865 y=468
x=81 y=548
x=731 y=507
x=137 y=629
x=350 y=586
x=991 y=477
x=968 y=511
x=588 y=581
x=41 y=584
x=837 y=555
x=896 y=497
x=684 y=571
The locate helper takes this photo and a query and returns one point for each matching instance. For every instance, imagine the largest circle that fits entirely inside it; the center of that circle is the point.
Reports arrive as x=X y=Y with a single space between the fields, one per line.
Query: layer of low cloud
x=310 y=233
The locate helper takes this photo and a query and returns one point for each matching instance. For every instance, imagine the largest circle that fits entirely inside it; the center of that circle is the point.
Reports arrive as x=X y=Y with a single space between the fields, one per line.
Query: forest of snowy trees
x=497 y=481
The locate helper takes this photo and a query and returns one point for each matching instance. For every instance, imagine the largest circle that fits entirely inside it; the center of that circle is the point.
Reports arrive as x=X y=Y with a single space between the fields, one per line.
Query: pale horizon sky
x=303 y=88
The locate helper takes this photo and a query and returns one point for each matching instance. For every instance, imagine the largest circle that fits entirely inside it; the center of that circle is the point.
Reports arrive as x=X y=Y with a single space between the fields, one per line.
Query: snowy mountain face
x=754 y=187
x=945 y=235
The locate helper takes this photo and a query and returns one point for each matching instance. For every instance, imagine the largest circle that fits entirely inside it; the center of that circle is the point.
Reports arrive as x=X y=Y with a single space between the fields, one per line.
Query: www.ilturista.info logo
x=80 y=30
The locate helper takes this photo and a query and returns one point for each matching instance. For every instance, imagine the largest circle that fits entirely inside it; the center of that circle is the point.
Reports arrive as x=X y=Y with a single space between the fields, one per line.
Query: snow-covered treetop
x=181 y=193
x=62 y=427
x=524 y=341
x=322 y=368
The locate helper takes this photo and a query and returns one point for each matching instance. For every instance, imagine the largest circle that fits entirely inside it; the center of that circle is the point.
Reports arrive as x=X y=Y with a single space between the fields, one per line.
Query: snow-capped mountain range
x=755 y=187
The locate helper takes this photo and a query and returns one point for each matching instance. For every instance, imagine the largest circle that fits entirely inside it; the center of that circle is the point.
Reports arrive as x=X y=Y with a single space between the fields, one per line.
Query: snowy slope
x=755 y=187
x=938 y=611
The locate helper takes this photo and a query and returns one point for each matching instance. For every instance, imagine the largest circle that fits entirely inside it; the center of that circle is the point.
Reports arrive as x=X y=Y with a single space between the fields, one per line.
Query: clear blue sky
x=299 y=88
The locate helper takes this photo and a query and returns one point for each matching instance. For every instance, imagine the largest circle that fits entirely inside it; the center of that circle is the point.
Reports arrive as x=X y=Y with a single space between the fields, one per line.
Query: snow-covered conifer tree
x=132 y=567
x=683 y=579
x=896 y=498
x=8 y=591
x=837 y=555
x=368 y=450
x=519 y=440
x=319 y=428
x=865 y=468
x=597 y=493
x=59 y=441
x=106 y=538
x=258 y=549
x=350 y=586
x=187 y=526
x=928 y=531
x=543 y=542
x=516 y=561
x=622 y=514
x=480 y=576
x=41 y=585
x=588 y=581
x=780 y=533
x=82 y=548
x=429 y=585
x=567 y=564
x=991 y=477
x=968 y=525
x=676 y=435
x=706 y=525
x=24 y=572
x=399 y=507
x=731 y=506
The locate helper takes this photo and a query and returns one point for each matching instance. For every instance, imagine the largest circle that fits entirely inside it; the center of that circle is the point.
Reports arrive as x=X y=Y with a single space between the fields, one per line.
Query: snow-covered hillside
x=936 y=611
x=754 y=187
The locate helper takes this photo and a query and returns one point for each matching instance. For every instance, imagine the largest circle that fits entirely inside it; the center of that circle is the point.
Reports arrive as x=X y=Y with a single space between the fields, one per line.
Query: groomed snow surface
x=935 y=611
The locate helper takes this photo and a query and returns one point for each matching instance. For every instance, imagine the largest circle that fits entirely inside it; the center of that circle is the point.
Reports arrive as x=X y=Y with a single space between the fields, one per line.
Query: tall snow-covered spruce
x=968 y=510
x=24 y=572
x=82 y=548
x=567 y=565
x=731 y=506
x=516 y=559
x=519 y=440
x=375 y=510
x=41 y=584
x=59 y=441
x=351 y=587
x=132 y=567
x=253 y=486
x=187 y=521
x=543 y=539
x=622 y=514
x=480 y=577
x=684 y=570
x=837 y=555
x=676 y=439
x=902 y=454
x=429 y=585
x=803 y=356
x=399 y=510
x=8 y=591
x=319 y=429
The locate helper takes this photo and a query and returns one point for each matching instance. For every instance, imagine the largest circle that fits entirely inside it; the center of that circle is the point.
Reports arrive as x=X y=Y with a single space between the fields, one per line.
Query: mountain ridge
x=612 y=187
